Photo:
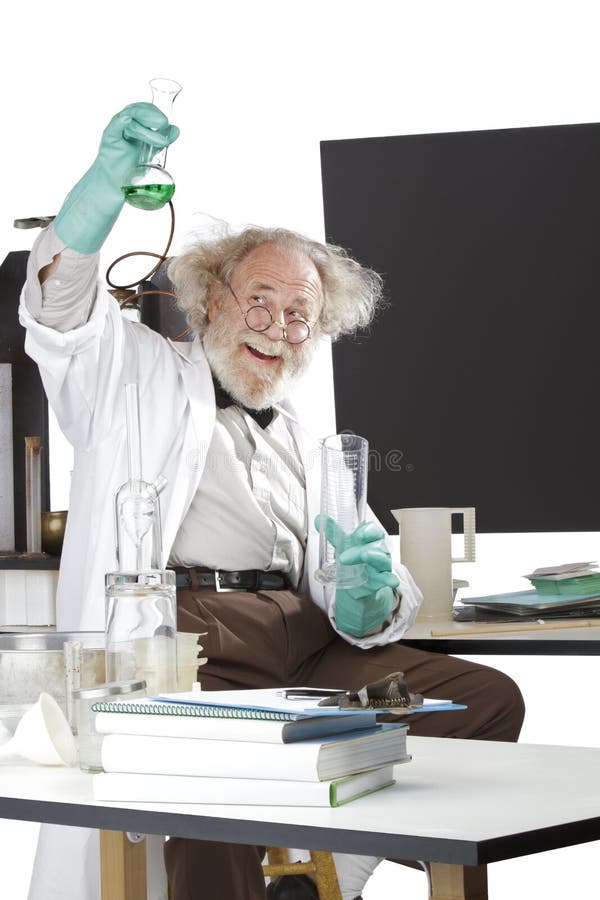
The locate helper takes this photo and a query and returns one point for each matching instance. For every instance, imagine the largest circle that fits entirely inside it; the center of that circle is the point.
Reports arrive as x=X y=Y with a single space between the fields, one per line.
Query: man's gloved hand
x=362 y=609
x=93 y=206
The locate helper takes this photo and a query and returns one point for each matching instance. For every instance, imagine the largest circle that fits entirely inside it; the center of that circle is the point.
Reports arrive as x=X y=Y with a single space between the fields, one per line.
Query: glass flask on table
x=141 y=614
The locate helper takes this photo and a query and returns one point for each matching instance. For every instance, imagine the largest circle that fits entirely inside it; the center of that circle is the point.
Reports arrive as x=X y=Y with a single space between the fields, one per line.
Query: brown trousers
x=275 y=638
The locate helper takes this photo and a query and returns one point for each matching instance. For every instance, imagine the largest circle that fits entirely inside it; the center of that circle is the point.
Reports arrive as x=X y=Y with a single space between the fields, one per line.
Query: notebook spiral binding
x=184 y=709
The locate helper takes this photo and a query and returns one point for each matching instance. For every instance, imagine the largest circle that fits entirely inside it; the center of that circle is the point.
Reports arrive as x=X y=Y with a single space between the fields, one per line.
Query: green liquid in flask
x=148 y=196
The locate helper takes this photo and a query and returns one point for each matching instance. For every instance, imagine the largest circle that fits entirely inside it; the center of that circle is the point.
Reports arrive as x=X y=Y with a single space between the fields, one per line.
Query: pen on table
x=307 y=694
x=540 y=625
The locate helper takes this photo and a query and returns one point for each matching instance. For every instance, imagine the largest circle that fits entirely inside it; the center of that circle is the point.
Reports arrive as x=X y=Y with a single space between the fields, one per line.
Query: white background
x=264 y=82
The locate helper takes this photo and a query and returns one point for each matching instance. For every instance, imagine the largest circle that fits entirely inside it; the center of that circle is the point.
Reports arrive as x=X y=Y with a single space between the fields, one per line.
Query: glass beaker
x=88 y=740
x=344 y=465
x=148 y=185
x=141 y=629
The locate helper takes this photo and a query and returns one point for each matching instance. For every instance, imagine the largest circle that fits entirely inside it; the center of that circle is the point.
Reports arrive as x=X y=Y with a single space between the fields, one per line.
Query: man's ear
x=215 y=297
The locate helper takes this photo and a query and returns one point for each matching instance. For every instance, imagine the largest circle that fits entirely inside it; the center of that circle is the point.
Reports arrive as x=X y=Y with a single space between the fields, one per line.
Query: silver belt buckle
x=218 y=588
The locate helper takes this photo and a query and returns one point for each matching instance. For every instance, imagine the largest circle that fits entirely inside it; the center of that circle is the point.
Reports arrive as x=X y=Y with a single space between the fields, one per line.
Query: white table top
x=467 y=802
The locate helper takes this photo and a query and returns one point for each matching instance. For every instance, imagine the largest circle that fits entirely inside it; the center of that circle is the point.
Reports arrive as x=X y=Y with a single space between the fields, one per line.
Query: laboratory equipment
x=148 y=185
x=43 y=736
x=89 y=742
x=344 y=465
x=53 y=531
x=137 y=511
x=45 y=661
x=33 y=493
x=426 y=551
x=141 y=616
x=141 y=629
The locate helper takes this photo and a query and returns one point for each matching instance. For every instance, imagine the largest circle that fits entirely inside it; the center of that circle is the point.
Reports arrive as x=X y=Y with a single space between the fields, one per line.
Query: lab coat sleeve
x=66 y=298
x=84 y=368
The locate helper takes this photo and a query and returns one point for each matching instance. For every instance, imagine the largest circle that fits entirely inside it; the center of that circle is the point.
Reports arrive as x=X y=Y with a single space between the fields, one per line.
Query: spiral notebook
x=269 y=703
x=249 y=704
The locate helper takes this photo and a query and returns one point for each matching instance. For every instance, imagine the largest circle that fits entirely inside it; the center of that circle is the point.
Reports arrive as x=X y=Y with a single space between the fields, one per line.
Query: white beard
x=254 y=387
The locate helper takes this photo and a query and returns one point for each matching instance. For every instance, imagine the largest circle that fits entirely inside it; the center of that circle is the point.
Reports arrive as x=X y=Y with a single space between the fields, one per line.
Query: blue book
x=524 y=602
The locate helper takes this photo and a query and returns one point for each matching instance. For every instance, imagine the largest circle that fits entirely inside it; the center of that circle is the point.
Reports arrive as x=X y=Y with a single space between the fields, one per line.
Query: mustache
x=266 y=345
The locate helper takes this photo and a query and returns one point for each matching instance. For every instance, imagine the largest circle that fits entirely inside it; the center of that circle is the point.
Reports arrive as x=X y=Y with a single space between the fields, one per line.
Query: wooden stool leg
x=325 y=875
x=122 y=867
x=451 y=882
x=277 y=856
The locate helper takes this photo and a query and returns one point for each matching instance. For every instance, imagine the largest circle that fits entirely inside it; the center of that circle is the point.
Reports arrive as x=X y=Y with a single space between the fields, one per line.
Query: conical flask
x=148 y=185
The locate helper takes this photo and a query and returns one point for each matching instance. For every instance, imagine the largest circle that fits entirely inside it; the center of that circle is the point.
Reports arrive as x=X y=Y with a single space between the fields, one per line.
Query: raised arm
x=93 y=206
x=68 y=248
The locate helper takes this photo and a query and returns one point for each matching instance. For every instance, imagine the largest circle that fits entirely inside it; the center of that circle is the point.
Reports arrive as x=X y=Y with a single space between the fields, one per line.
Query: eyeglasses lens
x=259 y=318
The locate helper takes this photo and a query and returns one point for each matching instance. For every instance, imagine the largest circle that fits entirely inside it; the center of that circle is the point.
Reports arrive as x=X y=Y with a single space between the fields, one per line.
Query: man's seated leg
x=495 y=709
x=257 y=646
x=248 y=645
x=198 y=869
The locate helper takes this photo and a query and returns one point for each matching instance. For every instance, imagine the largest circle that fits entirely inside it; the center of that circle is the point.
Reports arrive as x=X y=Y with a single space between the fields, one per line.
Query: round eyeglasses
x=259 y=318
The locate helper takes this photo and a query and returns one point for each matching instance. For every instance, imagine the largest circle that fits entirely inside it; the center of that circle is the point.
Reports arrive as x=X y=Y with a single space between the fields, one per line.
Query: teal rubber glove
x=93 y=206
x=362 y=609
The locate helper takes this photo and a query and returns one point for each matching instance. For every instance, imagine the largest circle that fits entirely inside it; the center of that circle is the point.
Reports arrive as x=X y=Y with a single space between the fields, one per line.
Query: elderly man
x=219 y=420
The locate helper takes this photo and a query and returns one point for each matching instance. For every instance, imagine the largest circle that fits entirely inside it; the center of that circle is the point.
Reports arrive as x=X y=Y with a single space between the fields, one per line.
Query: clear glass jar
x=141 y=629
x=89 y=741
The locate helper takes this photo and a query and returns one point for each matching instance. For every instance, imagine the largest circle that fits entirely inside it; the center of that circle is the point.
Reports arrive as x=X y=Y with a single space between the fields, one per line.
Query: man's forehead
x=278 y=268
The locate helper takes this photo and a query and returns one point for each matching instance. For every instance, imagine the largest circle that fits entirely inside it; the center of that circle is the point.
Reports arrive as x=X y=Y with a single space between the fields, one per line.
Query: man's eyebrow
x=262 y=286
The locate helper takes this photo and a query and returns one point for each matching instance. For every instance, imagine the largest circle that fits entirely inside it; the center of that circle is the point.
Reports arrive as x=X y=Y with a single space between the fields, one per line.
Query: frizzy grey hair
x=352 y=292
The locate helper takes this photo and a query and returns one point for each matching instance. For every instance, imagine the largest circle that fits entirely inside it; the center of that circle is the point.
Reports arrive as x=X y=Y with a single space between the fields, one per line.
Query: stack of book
x=571 y=589
x=581 y=579
x=243 y=747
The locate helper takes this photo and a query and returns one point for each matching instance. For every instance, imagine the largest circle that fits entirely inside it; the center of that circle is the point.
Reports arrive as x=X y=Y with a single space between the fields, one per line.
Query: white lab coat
x=84 y=372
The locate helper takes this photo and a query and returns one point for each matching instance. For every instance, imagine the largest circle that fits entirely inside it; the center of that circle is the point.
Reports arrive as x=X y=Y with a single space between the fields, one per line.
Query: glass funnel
x=148 y=185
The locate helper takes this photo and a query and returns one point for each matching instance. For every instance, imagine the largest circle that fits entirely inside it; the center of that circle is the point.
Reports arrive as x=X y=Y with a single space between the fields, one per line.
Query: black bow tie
x=223 y=399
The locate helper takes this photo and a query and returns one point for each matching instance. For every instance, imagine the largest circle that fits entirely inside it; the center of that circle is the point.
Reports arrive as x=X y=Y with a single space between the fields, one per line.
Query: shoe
x=292 y=887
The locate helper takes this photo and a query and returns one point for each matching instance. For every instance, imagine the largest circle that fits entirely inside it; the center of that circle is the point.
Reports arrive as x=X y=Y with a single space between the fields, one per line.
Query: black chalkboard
x=479 y=383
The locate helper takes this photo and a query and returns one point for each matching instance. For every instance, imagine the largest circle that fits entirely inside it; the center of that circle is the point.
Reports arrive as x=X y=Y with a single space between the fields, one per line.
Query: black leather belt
x=198 y=578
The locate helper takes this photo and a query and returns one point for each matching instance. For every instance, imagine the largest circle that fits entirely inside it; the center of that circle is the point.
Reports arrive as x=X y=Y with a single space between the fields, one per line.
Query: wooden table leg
x=122 y=867
x=451 y=882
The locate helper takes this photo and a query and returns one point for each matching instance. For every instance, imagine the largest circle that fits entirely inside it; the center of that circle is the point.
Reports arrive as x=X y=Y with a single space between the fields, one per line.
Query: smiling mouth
x=263 y=357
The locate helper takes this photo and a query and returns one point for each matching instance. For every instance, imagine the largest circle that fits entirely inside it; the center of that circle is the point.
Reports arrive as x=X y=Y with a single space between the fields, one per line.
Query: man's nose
x=276 y=329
